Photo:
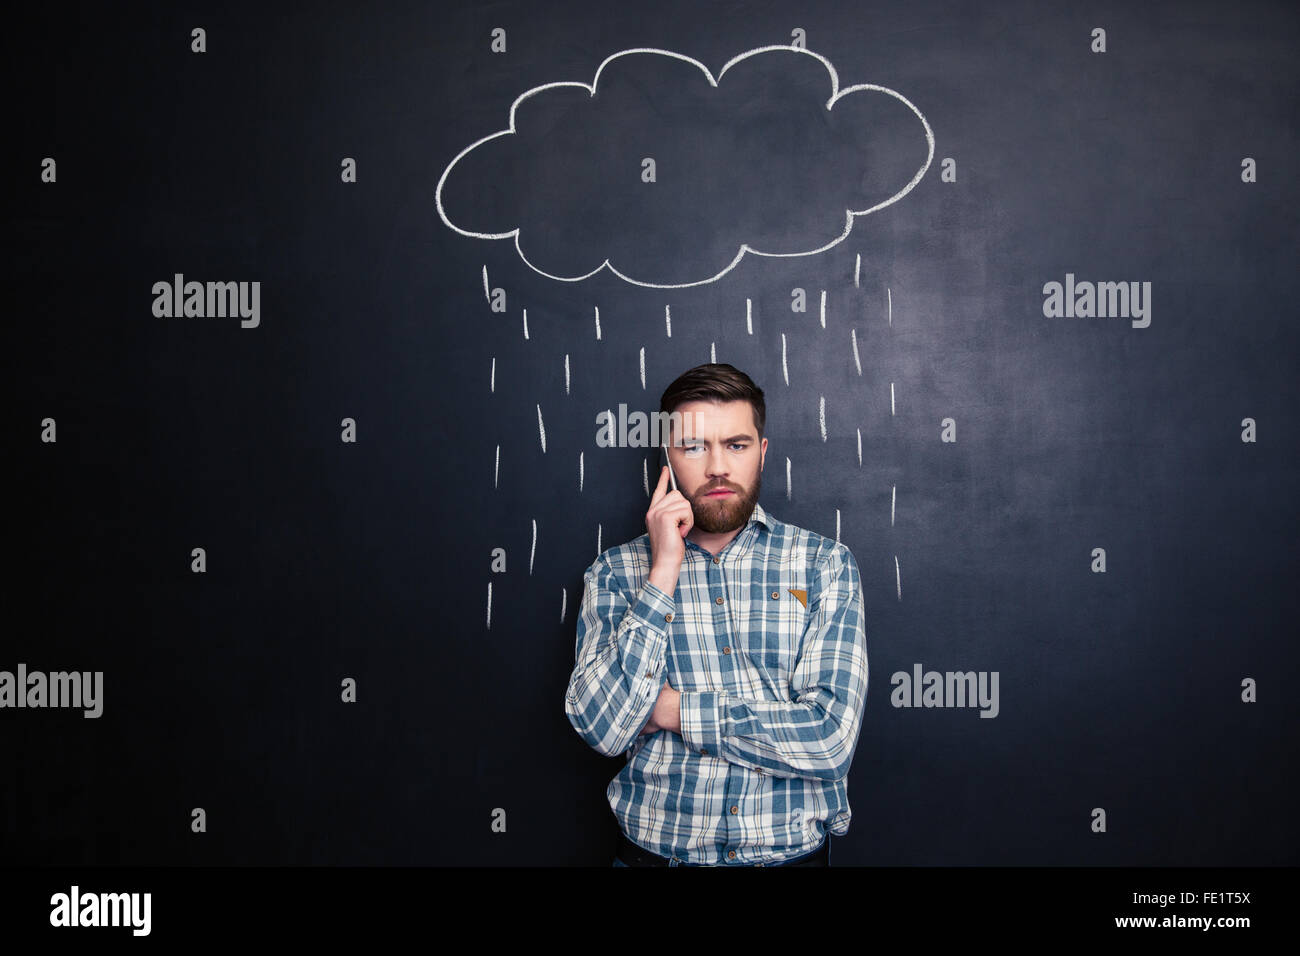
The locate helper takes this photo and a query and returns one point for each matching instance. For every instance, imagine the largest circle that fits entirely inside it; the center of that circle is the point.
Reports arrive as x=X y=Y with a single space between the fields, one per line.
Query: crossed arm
x=618 y=690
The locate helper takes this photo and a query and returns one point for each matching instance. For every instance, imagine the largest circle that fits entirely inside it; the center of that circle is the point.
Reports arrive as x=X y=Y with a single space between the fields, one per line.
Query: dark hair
x=715 y=383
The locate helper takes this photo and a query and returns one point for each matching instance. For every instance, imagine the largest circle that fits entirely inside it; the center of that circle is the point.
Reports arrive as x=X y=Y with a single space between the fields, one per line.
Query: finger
x=686 y=522
x=659 y=491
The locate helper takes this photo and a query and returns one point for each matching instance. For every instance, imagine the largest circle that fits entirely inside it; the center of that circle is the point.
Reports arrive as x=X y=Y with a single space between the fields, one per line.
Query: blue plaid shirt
x=767 y=644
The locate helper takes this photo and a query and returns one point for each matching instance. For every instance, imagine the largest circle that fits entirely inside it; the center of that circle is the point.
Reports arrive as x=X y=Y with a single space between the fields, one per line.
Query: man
x=724 y=652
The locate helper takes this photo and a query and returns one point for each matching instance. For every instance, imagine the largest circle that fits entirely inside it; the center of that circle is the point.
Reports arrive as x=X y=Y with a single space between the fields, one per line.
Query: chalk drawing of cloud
x=667 y=176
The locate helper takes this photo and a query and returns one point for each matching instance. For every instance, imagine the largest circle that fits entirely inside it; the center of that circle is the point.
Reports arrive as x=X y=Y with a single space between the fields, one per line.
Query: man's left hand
x=667 y=713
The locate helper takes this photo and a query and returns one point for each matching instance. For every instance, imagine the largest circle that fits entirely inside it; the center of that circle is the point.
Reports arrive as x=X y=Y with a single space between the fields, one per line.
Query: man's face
x=719 y=451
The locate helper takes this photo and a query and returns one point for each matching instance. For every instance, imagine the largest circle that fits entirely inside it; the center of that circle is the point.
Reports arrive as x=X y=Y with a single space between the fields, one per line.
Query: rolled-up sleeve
x=814 y=735
x=619 y=659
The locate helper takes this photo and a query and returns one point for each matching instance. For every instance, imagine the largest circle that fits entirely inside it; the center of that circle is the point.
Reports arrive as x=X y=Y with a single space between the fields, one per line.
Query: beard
x=725 y=514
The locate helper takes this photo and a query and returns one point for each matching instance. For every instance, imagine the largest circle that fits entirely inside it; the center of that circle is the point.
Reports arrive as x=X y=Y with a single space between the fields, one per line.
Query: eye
x=739 y=444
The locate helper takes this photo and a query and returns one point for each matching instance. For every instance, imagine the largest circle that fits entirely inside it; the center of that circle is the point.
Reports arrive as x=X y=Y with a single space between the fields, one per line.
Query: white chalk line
x=836 y=95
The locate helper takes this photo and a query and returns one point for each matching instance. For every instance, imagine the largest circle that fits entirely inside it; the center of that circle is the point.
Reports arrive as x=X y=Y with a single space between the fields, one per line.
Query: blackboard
x=1092 y=494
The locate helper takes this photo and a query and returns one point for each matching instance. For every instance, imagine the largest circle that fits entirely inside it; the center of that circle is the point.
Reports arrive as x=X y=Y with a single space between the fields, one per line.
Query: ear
x=762 y=459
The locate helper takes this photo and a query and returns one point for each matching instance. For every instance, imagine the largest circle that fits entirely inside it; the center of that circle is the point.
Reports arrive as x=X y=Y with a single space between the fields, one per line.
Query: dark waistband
x=633 y=855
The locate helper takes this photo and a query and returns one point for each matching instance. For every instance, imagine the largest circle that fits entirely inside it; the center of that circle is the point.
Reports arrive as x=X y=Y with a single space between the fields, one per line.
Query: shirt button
x=717 y=600
x=649 y=673
x=735 y=809
x=731 y=854
x=669 y=617
x=717 y=560
x=726 y=650
x=776 y=595
x=704 y=750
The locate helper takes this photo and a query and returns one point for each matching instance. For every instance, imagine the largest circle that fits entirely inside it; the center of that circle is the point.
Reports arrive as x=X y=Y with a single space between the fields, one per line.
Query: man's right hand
x=669 y=520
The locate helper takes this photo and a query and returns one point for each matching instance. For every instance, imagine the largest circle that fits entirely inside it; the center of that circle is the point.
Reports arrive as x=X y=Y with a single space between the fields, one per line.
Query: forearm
x=665 y=579
x=620 y=669
x=812 y=738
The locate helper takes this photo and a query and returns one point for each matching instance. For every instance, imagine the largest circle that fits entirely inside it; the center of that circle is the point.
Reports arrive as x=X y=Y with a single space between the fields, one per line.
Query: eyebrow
x=725 y=441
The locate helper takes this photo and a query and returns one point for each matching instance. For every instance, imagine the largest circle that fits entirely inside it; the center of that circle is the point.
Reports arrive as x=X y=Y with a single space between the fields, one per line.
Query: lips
x=720 y=493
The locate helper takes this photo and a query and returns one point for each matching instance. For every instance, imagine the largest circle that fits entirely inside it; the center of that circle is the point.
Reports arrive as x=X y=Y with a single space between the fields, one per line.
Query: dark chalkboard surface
x=1088 y=489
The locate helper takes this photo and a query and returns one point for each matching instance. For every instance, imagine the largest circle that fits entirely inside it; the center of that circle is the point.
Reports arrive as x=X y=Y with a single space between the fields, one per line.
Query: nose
x=716 y=467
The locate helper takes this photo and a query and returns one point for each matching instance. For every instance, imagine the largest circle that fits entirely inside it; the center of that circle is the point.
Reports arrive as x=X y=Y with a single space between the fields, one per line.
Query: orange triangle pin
x=801 y=595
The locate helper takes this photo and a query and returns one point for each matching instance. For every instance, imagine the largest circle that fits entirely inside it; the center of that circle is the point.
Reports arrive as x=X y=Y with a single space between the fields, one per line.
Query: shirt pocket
x=776 y=641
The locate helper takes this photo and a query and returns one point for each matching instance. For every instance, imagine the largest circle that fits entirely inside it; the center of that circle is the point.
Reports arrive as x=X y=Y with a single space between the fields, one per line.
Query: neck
x=713 y=543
